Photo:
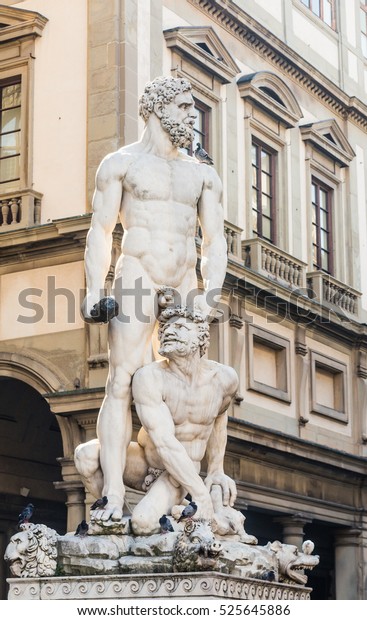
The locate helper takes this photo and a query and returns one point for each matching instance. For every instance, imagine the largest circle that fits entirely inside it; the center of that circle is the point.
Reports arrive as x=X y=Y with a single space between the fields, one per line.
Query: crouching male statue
x=182 y=404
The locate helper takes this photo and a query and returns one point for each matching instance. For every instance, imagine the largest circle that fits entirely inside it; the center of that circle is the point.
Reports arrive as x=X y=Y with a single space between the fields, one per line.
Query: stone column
x=3 y=542
x=293 y=529
x=237 y=344
x=347 y=564
x=362 y=392
x=302 y=375
x=75 y=502
x=112 y=79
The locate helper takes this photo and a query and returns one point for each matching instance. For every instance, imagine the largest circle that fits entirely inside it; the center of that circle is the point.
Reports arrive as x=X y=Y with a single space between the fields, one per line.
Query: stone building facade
x=280 y=92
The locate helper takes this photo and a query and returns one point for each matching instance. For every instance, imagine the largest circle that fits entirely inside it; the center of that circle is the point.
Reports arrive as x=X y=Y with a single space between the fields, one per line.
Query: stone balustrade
x=232 y=234
x=331 y=293
x=273 y=263
x=19 y=209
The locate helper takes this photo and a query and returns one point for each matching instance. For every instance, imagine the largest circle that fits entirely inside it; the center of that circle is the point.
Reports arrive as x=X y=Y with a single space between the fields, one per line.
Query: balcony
x=273 y=263
x=335 y=295
x=232 y=234
x=19 y=209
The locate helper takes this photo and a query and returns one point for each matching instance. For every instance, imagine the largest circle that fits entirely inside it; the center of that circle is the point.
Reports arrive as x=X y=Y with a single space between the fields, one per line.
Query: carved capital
x=301 y=347
x=236 y=321
x=100 y=360
x=362 y=364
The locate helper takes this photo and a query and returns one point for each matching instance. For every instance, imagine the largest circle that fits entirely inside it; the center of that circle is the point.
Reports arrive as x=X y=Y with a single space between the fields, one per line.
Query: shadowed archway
x=30 y=442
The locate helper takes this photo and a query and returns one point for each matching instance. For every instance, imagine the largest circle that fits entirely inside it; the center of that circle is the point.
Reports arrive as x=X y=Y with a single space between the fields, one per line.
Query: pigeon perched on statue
x=26 y=514
x=82 y=529
x=100 y=503
x=188 y=512
x=166 y=525
x=104 y=310
x=202 y=155
x=308 y=547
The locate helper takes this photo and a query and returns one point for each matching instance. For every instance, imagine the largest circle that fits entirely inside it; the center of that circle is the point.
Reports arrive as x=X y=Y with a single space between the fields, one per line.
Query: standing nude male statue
x=157 y=192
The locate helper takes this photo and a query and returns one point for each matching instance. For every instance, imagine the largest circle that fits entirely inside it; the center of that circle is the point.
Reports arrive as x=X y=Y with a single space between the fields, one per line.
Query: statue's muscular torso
x=194 y=408
x=158 y=213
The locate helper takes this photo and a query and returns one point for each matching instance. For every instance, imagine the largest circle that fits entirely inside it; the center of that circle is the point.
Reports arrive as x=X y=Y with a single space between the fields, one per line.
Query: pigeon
x=166 y=525
x=202 y=155
x=188 y=512
x=82 y=529
x=99 y=503
x=26 y=514
x=308 y=547
x=104 y=310
x=268 y=576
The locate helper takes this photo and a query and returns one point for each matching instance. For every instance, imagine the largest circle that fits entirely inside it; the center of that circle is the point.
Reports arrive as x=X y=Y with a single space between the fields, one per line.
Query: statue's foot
x=248 y=539
x=112 y=511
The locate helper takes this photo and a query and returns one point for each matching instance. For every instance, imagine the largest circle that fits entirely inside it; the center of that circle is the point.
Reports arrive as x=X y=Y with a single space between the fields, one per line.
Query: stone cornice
x=19 y=248
x=67 y=403
x=286 y=60
x=272 y=442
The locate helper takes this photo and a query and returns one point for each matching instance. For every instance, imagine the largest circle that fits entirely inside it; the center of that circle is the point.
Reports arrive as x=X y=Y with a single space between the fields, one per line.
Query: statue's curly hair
x=161 y=89
x=194 y=317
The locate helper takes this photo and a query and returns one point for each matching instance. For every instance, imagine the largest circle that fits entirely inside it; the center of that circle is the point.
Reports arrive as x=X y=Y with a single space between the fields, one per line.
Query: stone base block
x=162 y=586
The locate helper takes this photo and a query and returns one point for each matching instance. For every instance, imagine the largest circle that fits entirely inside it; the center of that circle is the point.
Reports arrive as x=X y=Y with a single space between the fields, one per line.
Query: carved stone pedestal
x=207 y=585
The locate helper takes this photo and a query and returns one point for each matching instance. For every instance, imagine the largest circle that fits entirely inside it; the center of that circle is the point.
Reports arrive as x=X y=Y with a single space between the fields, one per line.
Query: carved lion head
x=32 y=552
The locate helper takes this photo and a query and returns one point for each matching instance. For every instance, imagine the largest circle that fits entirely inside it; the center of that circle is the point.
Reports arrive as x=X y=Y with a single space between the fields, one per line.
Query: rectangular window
x=263 y=194
x=10 y=131
x=269 y=364
x=329 y=387
x=324 y=9
x=363 y=18
x=321 y=227
x=201 y=128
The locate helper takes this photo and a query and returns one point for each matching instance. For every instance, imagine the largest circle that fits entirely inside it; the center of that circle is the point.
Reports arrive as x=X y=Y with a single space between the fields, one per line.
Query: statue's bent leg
x=86 y=458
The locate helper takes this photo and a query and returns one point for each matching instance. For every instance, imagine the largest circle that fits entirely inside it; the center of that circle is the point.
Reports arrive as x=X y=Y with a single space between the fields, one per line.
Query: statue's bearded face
x=178 y=118
x=179 y=338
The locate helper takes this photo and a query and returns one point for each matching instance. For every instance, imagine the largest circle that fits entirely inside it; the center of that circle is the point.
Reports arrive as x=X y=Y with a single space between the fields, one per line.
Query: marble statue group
x=157 y=310
x=158 y=192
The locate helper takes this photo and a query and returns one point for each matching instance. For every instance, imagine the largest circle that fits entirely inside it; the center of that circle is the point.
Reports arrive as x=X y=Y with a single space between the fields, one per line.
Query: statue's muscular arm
x=156 y=418
x=218 y=439
x=214 y=246
x=106 y=205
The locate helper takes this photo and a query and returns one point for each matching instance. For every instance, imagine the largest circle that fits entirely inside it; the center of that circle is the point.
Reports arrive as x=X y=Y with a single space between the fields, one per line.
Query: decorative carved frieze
x=163 y=586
